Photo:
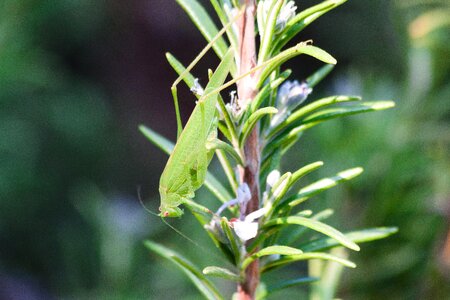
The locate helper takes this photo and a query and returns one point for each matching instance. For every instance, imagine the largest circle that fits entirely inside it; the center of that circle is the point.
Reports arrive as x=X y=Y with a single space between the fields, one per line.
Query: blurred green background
x=78 y=76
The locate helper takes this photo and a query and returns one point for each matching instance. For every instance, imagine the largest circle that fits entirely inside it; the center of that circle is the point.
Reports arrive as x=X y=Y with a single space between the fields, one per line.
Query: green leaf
x=300 y=114
x=180 y=69
x=300 y=48
x=224 y=130
x=227 y=168
x=205 y=286
x=271 y=250
x=330 y=274
x=292 y=180
x=167 y=146
x=279 y=143
x=215 y=187
x=321 y=116
x=297 y=175
x=251 y=122
x=222 y=273
x=227 y=117
x=156 y=139
x=218 y=144
x=305 y=213
x=305 y=256
x=268 y=32
x=296 y=233
x=204 y=23
x=361 y=236
x=281 y=184
x=290 y=283
x=322 y=185
x=302 y=20
x=231 y=236
x=348 y=110
x=314 y=225
x=320 y=74
x=267 y=89
x=218 y=7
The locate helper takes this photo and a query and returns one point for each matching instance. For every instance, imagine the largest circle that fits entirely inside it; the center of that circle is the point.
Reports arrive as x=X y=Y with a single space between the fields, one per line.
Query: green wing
x=185 y=170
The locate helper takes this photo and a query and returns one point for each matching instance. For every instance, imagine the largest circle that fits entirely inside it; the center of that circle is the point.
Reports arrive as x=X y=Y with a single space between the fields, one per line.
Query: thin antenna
x=177 y=230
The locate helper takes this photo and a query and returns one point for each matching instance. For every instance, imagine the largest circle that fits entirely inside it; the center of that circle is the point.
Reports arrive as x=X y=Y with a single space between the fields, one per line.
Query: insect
x=185 y=170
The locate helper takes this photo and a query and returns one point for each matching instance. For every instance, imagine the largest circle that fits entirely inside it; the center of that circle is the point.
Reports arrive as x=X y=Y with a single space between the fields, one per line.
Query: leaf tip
x=141 y=127
x=381 y=105
x=351 y=173
x=338 y=2
x=356 y=248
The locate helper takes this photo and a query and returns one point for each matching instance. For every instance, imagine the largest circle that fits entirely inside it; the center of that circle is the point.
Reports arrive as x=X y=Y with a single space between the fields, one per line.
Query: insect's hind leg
x=191 y=66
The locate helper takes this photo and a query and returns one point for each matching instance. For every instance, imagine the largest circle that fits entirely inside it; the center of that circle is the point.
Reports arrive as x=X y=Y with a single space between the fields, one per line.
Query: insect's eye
x=166 y=214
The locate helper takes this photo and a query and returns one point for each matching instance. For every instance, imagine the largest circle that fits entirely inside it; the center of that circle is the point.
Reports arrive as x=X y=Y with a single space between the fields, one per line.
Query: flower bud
x=197 y=88
x=290 y=95
x=272 y=178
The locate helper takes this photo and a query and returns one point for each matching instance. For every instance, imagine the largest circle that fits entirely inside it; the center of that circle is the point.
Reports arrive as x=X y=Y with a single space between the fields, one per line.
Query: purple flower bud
x=290 y=95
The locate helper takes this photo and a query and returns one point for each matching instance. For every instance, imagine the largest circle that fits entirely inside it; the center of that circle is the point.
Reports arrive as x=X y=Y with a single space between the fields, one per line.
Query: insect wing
x=189 y=157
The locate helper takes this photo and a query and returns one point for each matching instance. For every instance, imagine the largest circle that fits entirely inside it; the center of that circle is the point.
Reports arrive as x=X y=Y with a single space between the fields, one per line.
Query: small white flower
x=255 y=215
x=248 y=228
x=233 y=107
x=272 y=178
x=245 y=230
x=197 y=88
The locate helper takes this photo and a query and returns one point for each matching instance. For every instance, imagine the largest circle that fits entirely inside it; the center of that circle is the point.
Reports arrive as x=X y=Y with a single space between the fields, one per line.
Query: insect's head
x=170 y=212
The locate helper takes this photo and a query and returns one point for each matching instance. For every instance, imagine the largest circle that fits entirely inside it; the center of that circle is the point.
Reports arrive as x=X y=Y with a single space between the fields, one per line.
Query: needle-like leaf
x=203 y=284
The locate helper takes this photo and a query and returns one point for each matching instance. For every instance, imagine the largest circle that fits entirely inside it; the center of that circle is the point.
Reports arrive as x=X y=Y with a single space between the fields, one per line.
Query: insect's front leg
x=177 y=110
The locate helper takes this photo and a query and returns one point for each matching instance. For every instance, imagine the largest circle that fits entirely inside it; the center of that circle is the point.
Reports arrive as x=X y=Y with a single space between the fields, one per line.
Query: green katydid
x=186 y=168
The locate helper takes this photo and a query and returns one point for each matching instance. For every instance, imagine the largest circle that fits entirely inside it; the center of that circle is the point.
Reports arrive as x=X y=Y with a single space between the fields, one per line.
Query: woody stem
x=250 y=173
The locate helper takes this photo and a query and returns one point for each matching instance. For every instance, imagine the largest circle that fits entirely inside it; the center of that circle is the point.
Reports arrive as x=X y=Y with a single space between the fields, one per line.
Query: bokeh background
x=78 y=76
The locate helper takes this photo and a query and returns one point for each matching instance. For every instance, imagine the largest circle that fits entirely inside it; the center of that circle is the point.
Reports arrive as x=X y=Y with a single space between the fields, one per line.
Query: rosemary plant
x=258 y=208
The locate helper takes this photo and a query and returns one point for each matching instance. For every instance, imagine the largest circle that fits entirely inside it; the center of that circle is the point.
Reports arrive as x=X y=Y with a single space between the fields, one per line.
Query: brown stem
x=250 y=174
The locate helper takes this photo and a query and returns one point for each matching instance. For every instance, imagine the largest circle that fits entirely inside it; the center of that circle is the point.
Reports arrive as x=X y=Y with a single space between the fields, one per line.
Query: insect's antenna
x=193 y=242
x=207 y=47
x=175 y=229
x=143 y=204
x=181 y=234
